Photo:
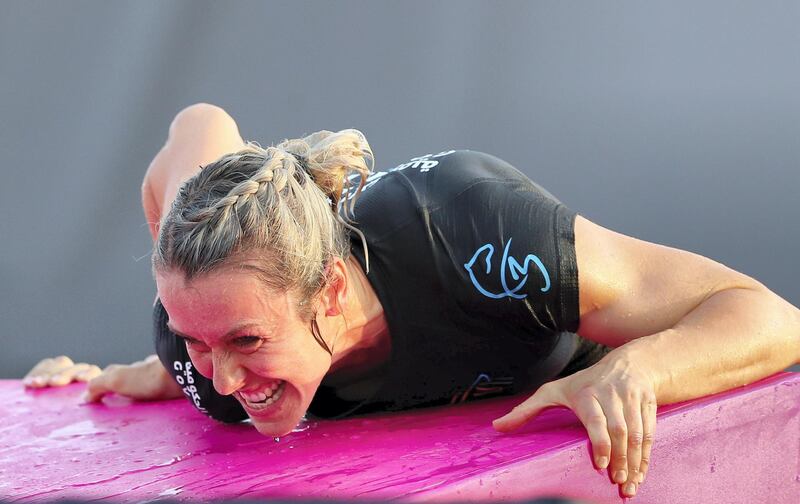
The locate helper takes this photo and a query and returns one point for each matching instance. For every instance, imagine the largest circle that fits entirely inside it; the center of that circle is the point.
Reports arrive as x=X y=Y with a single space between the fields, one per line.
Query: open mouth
x=267 y=402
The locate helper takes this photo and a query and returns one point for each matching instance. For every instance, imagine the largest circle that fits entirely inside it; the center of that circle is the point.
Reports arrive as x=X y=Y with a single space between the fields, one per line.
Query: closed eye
x=197 y=345
x=244 y=341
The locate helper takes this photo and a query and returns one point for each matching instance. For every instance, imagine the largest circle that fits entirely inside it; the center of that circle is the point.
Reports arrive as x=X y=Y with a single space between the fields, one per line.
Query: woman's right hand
x=145 y=380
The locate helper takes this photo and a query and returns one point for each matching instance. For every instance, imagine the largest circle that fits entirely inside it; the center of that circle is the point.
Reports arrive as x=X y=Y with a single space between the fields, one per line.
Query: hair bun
x=331 y=158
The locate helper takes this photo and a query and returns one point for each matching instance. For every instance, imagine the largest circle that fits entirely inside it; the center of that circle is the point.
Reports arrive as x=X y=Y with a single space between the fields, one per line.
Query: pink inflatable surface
x=741 y=446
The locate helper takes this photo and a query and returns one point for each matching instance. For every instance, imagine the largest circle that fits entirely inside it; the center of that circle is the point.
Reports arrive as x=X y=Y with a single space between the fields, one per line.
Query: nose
x=228 y=375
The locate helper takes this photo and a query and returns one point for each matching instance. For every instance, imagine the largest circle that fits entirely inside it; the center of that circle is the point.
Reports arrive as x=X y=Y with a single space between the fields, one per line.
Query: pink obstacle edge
x=738 y=446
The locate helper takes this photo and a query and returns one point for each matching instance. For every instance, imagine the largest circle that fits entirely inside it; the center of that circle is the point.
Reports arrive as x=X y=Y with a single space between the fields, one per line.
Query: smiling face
x=247 y=339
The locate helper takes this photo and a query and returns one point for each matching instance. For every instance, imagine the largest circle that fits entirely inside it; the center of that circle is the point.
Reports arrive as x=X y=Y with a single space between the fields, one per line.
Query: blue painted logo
x=519 y=272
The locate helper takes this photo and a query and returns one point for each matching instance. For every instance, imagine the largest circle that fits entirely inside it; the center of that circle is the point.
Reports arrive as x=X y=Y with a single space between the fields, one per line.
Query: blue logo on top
x=519 y=272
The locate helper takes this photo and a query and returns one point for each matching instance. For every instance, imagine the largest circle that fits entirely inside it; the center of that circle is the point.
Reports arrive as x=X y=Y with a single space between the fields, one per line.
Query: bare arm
x=699 y=326
x=199 y=135
x=684 y=326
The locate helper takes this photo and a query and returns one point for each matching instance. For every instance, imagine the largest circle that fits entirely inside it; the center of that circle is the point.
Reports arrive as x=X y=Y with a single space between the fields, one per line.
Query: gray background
x=676 y=123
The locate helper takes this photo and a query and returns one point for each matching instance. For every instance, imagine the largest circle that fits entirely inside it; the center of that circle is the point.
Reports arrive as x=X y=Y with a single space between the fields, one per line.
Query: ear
x=335 y=292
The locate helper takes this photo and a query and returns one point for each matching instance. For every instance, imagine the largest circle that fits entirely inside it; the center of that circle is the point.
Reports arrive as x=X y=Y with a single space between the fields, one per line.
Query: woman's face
x=247 y=339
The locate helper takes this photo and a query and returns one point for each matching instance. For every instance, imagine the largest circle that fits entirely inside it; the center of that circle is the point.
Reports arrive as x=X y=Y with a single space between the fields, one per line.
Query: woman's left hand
x=615 y=400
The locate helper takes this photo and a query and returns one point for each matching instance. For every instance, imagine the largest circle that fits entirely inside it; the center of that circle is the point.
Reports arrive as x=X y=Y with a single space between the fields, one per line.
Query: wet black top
x=474 y=265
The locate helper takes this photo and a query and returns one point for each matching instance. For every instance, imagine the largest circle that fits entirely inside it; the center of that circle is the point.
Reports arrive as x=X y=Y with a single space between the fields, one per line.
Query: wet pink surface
x=739 y=446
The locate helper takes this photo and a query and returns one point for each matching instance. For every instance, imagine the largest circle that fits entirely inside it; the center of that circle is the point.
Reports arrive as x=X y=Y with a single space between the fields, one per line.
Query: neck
x=364 y=345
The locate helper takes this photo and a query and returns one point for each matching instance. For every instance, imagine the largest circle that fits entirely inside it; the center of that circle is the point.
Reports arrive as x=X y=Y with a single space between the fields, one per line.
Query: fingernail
x=630 y=489
x=621 y=476
x=38 y=380
x=602 y=462
x=640 y=477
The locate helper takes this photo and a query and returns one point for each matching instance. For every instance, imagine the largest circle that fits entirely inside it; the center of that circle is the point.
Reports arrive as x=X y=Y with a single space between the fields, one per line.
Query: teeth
x=258 y=397
x=264 y=404
x=275 y=396
x=255 y=397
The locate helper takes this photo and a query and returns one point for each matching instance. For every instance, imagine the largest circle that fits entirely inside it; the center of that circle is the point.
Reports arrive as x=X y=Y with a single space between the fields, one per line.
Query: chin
x=275 y=428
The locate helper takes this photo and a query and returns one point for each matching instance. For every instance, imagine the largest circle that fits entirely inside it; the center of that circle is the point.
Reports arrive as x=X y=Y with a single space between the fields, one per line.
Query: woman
x=460 y=281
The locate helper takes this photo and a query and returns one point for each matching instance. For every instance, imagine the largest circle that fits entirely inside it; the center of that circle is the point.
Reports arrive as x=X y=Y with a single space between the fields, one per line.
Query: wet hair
x=276 y=211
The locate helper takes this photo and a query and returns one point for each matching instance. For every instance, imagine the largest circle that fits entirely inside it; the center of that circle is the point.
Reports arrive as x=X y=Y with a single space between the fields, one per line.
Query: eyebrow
x=237 y=329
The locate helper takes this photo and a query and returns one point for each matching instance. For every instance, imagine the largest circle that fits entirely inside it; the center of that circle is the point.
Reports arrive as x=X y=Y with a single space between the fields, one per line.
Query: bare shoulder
x=629 y=287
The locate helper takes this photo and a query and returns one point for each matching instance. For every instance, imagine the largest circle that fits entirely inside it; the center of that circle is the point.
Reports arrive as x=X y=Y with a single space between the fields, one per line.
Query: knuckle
x=618 y=430
x=602 y=447
x=56 y=380
x=596 y=419
x=648 y=438
x=111 y=375
x=635 y=438
x=112 y=380
x=63 y=359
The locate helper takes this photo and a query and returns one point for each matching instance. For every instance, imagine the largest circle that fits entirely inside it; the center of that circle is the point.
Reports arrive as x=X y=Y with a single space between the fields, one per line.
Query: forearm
x=733 y=338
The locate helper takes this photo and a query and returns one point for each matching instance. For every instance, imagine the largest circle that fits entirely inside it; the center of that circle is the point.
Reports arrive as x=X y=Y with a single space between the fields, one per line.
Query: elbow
x=198 y=118
x=796 y=335
x=786 y=318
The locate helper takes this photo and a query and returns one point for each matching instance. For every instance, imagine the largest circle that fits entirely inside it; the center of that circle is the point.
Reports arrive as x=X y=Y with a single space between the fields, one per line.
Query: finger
x=632 y=409
x=39 y=376
x=629 y=491
x=35 y=381
x=59 y=363
x=618 y=430
x=103 y=384
x=526 y=410
x=649 y=416
x=89 y=373
x=66 y=375
x=590 y=413
x=37 y=369
x=54 y=367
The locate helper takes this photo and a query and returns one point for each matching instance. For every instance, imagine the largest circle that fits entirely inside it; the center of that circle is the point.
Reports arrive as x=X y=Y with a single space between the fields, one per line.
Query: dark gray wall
x=677 y=123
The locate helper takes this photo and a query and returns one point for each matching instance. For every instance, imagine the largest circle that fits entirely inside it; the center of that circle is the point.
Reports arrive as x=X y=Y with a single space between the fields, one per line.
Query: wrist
x=644 y=354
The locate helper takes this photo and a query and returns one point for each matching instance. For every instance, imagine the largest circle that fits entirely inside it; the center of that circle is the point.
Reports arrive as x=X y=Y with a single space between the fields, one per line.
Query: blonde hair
x=282 y=202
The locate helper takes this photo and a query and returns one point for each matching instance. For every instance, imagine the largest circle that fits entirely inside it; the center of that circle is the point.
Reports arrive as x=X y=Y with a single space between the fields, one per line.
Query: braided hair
x=284 y=202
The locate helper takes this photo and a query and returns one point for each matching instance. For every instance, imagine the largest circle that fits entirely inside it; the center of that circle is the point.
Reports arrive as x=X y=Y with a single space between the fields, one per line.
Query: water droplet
x=277 y=439
x=171 y=491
